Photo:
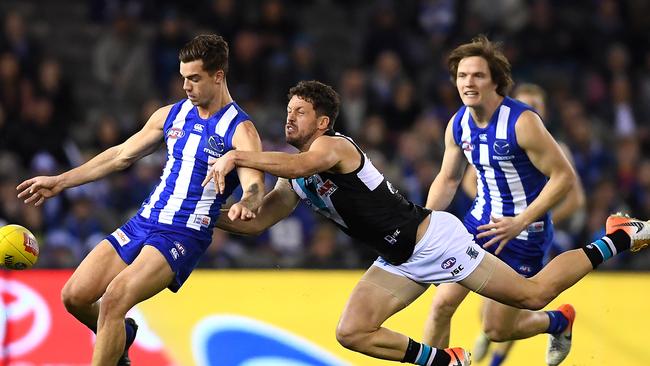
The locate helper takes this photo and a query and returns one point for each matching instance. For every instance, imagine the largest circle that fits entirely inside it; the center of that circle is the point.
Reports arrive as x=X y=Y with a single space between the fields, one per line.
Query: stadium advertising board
x=288 y=318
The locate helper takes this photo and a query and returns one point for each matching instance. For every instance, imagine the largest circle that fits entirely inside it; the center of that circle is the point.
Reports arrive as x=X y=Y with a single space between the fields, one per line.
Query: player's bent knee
x=538 y=301
x=116 y=300
x=497 y=334
x=351 y=337
x=536 y=296
x=351 y=341
x=74 y=299
x=442 y=309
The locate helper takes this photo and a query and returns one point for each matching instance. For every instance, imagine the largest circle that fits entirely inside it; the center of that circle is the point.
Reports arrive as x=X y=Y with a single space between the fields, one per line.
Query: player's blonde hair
x=530 y=89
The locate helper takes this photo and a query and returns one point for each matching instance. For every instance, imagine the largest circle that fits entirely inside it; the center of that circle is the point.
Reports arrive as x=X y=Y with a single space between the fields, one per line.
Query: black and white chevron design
x=637 y=224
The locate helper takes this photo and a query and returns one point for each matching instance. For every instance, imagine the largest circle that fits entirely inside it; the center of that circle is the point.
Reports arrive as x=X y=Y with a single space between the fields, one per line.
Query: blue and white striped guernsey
x=179 y=199
x=507 y=181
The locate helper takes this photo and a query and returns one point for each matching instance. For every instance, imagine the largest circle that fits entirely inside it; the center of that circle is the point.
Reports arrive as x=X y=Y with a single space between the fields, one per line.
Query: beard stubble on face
x=299 y=140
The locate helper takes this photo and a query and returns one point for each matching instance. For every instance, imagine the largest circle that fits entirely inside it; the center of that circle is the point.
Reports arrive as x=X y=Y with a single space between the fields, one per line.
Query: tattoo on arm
x=250 y=196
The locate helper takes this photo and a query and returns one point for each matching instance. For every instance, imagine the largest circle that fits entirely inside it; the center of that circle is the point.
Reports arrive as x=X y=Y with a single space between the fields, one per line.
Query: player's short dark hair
x=491 y=52
x=209 y=48
x=323 y=98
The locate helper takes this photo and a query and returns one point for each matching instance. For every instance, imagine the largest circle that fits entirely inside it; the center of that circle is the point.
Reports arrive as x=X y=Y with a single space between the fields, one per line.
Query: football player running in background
x=444 y=306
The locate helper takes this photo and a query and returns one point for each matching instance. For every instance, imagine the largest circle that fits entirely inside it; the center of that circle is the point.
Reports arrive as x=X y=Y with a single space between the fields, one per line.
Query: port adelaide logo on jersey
x=327 y=188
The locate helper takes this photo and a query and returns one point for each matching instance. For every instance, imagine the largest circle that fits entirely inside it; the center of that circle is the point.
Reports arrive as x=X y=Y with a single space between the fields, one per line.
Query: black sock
x=412 y=351
x=607 y=247
x=441 y=358
x=426 y=354
x=621 y=240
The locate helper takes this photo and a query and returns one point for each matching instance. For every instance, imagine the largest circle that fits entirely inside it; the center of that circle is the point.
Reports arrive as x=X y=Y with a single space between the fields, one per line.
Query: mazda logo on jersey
x=501 y=147
x=217 y=143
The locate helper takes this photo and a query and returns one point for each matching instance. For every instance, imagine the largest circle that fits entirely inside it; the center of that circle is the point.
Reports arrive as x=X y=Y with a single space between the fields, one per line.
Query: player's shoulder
x=334 y=139
x=159 y=116
x=529 y=129
x=454 y=118
x=164 y=110
x=527 y=118
x=241 y=115
x=246 y=134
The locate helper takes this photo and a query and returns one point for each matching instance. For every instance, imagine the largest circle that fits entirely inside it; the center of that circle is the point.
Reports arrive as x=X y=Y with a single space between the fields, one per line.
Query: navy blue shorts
x=182 y=247
x=525 y=265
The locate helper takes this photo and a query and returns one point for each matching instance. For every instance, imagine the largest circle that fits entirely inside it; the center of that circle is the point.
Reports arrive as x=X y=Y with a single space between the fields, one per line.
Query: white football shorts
x=446 y=253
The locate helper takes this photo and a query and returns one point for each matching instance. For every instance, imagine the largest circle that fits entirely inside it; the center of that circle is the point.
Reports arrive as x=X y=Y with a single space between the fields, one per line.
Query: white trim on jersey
x=225 y=120
x=511 y=176
x=203 y=206
x=209 y=191
x=184 y=177
x=516 y=190
x=178 y=122
x=484 y=159
x=477 y=212
x=502 y=122
x=369 y=175
x=490 y=178
x=466 y=135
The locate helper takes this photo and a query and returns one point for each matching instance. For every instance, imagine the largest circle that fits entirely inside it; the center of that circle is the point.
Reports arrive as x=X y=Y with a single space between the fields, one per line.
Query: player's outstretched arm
x=324 y=153
x=246 y=138
x=276 y=205
x=451 y=173
x=36 y=190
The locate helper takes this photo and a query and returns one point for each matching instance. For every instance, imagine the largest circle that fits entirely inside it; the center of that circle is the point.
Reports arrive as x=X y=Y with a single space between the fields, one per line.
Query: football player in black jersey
x=416 y=247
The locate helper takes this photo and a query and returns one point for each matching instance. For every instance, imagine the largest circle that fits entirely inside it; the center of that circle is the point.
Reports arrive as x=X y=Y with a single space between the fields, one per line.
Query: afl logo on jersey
x=175 y=133
x=501 y=147
x=467 y=146
x=217 y=143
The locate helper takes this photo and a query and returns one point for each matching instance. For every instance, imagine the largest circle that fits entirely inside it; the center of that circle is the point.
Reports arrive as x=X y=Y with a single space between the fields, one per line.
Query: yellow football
x=18 y=247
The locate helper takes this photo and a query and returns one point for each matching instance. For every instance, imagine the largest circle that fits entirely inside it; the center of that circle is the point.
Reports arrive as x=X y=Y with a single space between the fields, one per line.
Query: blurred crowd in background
x=79 y=76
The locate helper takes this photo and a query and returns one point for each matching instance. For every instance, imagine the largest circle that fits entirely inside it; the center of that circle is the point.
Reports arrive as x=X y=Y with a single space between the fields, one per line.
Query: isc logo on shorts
x=457 y=270
x=121 y=237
